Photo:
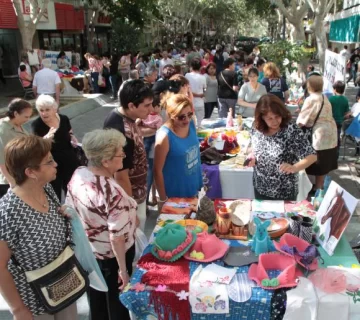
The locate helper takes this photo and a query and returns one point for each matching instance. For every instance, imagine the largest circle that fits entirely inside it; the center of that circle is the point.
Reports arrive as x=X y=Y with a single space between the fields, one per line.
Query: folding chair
x=27 y=91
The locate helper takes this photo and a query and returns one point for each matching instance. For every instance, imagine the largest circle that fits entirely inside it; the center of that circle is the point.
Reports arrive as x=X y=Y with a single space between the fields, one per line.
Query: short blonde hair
x=315 y=83
x=102 y=144
x=271 y=70
x=45 y=100
x=174 y=104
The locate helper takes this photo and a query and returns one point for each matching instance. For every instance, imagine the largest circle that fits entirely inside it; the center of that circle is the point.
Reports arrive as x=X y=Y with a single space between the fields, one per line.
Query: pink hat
x=329 y=280
x=275 y=261
x=293 y=246
x=207 y=248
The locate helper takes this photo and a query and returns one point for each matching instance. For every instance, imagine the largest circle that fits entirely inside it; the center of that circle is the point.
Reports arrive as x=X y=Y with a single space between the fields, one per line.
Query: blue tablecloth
x=257 y=308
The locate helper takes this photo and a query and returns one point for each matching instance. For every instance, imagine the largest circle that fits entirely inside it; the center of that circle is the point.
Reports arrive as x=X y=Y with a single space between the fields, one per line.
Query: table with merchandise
x=223 y=156
x=244 y=259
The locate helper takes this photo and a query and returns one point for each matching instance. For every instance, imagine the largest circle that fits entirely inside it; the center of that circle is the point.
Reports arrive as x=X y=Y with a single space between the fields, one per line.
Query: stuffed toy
x=261 y=240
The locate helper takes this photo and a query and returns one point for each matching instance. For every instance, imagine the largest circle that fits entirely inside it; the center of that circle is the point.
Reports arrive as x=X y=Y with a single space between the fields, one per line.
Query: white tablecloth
x=238 y=184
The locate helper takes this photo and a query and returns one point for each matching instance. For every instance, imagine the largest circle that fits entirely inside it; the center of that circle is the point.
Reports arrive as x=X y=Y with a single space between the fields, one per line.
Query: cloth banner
x=346 y=30
x=52 y=55
x=334 y=70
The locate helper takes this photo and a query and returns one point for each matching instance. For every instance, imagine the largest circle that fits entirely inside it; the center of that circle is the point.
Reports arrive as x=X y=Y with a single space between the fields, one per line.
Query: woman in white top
x=250 y=93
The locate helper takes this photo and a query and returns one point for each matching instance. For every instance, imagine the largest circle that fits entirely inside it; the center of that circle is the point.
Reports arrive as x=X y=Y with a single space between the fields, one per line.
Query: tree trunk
x=27 y=34
x=298 y=33
x=321 y=41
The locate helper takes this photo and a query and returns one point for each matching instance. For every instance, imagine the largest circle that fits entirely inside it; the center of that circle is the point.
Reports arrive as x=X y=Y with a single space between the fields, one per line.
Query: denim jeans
x=225 y=105
x=209 y=107
x=148 y=143
x=94 y=81
x=114 y=84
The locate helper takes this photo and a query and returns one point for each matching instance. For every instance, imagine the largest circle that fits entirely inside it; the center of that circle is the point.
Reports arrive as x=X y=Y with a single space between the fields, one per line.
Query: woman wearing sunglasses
x=177 y=167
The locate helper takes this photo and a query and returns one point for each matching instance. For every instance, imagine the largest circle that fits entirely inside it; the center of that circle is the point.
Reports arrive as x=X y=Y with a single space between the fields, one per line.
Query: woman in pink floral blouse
x=108 y=216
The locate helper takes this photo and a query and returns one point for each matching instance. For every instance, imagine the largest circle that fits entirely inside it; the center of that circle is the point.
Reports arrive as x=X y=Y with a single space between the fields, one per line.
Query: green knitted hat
x=172 y=242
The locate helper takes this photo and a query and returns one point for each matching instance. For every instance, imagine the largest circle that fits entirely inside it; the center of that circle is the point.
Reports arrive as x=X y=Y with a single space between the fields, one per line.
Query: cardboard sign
x=334 y=68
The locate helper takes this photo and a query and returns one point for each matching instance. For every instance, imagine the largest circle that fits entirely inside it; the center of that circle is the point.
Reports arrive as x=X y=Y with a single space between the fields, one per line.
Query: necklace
x=44 y=205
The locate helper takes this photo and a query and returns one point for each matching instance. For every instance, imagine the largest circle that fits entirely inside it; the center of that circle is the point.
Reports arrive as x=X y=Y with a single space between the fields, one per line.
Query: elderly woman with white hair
x=108 y=215
x=52 y=125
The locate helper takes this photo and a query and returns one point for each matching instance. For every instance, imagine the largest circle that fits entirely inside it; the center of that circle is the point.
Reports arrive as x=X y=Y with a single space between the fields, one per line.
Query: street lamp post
x=86 y=31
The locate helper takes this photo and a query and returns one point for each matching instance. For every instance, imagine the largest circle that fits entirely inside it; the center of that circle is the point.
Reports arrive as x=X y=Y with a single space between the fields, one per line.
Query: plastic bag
x=141 y=242
x=84 y=253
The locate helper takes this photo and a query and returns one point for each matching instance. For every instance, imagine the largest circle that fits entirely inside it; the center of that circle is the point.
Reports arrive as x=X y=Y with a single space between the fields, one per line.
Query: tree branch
x=329 y=6
x=18 y=10
x=281 y=7
x=41 y=11
x=311 y=4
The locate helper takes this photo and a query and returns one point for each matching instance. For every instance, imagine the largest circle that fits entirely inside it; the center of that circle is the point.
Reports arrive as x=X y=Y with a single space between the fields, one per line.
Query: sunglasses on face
x=182 y=117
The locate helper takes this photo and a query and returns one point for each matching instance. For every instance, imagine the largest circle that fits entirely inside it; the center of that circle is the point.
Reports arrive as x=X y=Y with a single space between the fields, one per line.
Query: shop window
x=55 y=41
x=69 y=43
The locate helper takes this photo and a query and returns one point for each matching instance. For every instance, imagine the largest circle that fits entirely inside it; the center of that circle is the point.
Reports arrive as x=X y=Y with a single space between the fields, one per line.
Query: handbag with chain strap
x=61 y=282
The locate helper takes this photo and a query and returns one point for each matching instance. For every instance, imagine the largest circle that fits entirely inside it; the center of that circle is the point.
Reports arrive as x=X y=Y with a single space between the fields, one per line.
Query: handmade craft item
x=304 y=254
x=240 y=212
x=223 y=221
x=240 y=288
x=176 y=277
x=240 y=256
x=172 y=242
x=193 y=225
x=180 y=206
x=329 y=280
x=261 y=241
x=206 y=296
x=275 y=261
x=207 y=248
x=206 y=211
x=216 y=274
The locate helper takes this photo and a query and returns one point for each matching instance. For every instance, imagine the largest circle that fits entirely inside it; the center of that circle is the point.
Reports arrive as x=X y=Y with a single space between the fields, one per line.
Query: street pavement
x=346 y=176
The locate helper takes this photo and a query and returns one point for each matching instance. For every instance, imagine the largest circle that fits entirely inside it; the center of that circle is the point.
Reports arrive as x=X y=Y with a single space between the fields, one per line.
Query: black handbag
x=61 y=282
x=308 y=131
x=80 y=155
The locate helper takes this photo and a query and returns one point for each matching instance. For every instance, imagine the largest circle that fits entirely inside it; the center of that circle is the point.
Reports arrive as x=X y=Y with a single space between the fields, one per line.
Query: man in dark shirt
x=354 y=60
x=135 y=103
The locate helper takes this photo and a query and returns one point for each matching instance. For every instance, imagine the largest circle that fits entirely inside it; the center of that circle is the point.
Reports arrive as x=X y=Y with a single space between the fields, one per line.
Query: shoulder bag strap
x=67 y=220
x=222 y=76
x=318 y=115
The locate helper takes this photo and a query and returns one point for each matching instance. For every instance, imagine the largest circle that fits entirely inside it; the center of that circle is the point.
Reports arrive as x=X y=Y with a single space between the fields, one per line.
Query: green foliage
x=125 y=36
x=282 y=50
x=131 y=11
x=262 y=8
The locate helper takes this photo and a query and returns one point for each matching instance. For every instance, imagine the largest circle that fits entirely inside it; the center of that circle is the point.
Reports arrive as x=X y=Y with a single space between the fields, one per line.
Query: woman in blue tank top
x=177 y=166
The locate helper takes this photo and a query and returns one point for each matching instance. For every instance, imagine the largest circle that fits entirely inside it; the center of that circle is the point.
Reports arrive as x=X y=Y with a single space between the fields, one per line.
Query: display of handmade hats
x=207 y=248
x=172 y=242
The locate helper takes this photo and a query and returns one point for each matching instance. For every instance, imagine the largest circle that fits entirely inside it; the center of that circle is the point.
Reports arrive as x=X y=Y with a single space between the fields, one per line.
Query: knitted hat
x=207 y=248
x=172 y=242
x=274 y=261
x=304 y=254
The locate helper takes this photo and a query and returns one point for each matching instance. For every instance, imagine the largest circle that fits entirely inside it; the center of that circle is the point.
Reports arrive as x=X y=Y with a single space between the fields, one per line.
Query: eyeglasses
x=182 y=117
x=121 y=156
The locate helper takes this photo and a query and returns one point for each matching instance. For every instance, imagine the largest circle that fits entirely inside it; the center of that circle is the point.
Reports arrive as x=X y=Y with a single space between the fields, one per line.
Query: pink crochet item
x=275 y=261
x=208 y=248
x=289 y=241
x=329 y=280
x=167 y=255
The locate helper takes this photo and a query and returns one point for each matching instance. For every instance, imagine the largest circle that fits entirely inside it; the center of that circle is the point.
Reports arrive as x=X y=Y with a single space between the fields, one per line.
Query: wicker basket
x=191 y=225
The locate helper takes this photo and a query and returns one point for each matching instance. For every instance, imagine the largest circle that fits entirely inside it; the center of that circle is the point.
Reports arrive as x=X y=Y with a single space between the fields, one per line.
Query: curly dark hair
x=270 y=103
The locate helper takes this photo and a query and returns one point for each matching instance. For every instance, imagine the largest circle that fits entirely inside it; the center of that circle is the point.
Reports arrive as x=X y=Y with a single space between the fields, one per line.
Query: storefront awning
x=345 y=30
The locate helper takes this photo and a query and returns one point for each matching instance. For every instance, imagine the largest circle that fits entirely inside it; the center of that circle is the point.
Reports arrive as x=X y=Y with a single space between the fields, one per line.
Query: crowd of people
x=149 y=139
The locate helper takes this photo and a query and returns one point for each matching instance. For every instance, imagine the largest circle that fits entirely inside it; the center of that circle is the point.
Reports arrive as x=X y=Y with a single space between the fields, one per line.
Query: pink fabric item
x=210 y=245
x=292 y=241
x=275 y=261
x=153 y=121
x=329 y=280
x=167 y=255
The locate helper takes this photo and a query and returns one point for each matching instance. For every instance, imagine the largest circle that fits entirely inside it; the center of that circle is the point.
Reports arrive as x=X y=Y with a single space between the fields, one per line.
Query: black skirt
x=326 y=162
